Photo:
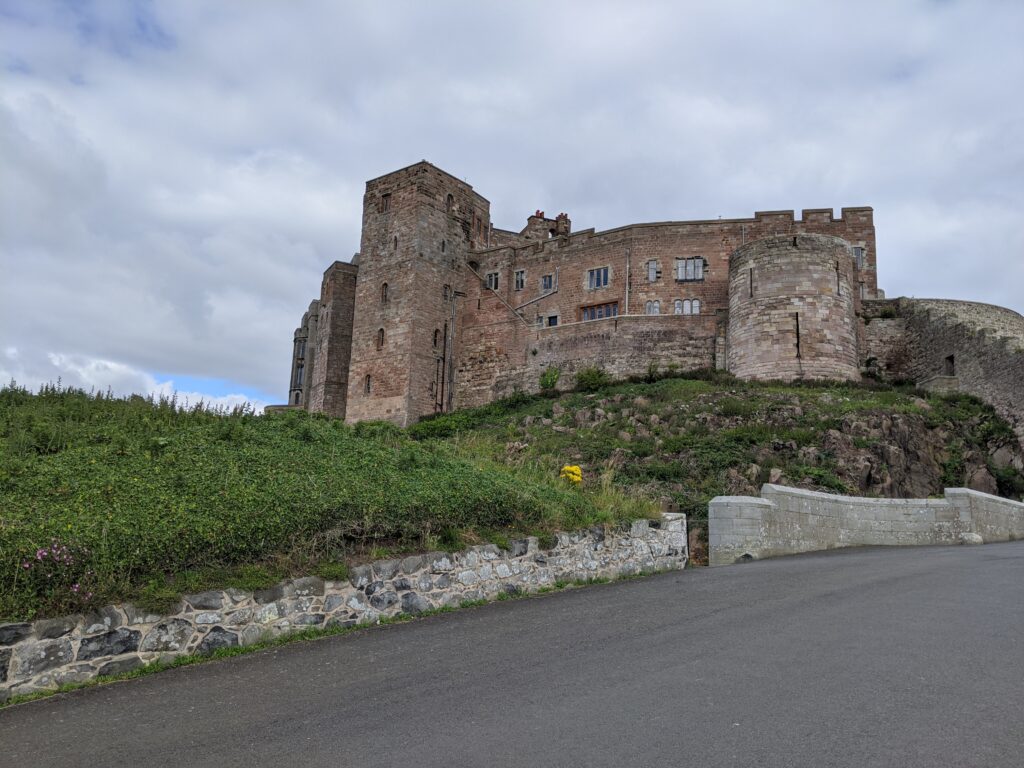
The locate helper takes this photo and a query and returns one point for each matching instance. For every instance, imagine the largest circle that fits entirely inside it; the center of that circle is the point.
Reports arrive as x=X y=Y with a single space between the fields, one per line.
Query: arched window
x=678 y=307
x=384 y=293
x=299 y=370
x=437 y=338
x=653 y=307
x=696 y=306
x=367 y=384
x=380 y=338
x=449 y=203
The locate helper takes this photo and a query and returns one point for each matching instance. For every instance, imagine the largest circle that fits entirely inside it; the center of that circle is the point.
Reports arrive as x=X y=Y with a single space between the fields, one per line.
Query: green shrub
x=592 y=379
x=549 y=379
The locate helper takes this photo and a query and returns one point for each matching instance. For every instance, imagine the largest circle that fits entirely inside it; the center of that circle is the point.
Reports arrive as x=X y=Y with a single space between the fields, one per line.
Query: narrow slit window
x=367 y=384
x=384 y=293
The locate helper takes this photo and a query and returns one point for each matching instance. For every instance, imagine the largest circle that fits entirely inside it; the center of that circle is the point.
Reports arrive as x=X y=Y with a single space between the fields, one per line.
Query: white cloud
x=177 y=175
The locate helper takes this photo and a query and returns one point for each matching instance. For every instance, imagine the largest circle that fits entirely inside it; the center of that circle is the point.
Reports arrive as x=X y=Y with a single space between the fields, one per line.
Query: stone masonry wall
x=785 y=521
x=792 y=309
x=50 y=652
x=622 y=346
x=953 y=345
x=328 y=378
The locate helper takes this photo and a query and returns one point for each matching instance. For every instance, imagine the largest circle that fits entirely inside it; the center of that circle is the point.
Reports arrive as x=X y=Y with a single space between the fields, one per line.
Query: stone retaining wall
x=784 y=521
x=48 y=653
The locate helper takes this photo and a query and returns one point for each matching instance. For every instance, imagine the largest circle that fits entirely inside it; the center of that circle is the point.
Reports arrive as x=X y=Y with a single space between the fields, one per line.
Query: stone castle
x=442 y=310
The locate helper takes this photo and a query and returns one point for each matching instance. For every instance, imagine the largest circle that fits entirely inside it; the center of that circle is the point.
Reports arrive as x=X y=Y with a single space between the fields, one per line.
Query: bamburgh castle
x=441 y=310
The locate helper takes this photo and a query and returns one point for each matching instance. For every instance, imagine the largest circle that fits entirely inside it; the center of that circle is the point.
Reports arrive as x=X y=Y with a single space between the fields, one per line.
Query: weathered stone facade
x=950 y=346
x=441 y=310
x=793 y=309
x=51 y=652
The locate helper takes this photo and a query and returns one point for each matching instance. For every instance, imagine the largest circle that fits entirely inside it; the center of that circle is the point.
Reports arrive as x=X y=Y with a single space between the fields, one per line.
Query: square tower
x=419 y=225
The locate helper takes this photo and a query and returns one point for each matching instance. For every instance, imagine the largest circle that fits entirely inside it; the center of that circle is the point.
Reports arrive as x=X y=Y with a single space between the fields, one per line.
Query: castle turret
x=792 y=309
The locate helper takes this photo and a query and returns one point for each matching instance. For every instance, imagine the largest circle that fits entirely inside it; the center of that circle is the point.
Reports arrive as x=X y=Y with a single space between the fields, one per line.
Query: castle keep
x=441 y=310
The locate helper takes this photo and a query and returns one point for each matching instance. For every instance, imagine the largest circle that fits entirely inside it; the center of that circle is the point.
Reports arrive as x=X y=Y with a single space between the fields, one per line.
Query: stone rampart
x=623 y=346
x=785 y=521
x=48 y=653
x=952 y=346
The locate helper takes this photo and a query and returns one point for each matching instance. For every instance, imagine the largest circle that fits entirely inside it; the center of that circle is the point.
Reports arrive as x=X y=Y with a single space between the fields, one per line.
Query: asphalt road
x=872 y=657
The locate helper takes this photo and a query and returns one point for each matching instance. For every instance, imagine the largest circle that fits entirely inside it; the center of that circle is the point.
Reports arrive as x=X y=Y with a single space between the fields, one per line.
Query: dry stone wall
x=50 y=652
x=785 y=521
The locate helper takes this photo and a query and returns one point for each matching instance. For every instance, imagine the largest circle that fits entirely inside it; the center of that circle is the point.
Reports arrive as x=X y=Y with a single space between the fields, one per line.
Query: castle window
x=520 y=279
x=688 y=270
x=599 y=311
x=687 y=306
x=437 y=338
x=444 y=245
x=297 y=396
x=552 y=321
x=385 y=202
x=449 y=204
x=447 y=293
x=597 y=278
x=547 y=282
x=652 y=308
x=367 y=384
x=679 y=306
x=492 y=280
x=653 y=273
x=950 y=367
x=696 y=307
x=858 y=256
x=384 y=293
x=299 y=370
x=394 y=243
x=380 y=338
x=300 y=351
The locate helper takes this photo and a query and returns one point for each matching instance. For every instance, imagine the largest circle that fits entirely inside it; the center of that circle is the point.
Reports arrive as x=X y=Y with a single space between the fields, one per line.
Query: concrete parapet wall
x=47 y=653
x=785 y=521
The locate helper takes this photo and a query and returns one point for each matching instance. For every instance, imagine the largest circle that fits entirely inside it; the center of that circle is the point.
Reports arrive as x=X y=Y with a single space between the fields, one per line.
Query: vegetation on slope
x=104 y=498
x=691 y=439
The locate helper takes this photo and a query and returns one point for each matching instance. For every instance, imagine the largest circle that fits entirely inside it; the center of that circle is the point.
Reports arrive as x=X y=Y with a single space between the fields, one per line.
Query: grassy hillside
x=108 y=499
x=114 y=498
x=693 y=439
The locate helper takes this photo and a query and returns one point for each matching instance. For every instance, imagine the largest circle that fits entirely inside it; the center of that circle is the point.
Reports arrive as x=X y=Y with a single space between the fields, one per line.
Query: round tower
x=792 y=309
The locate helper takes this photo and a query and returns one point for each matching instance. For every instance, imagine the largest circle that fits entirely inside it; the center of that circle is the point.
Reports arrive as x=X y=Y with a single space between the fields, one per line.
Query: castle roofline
x=428 y=164
x=790 y=214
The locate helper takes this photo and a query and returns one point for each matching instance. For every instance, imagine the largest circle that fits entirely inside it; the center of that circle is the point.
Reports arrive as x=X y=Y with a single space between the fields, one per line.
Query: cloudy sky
x=175 y=176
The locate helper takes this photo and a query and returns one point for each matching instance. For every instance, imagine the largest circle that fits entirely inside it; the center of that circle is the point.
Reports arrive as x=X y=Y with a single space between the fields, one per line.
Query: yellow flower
x=572 y=473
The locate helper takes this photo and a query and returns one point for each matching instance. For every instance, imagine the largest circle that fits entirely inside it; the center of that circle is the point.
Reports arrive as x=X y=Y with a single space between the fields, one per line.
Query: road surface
x=869 y=657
